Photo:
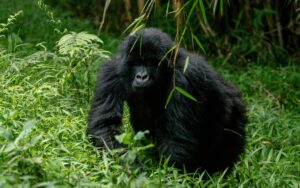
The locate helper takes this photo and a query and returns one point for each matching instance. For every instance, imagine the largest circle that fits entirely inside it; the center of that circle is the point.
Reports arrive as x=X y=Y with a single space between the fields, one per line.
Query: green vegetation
x=45 y=92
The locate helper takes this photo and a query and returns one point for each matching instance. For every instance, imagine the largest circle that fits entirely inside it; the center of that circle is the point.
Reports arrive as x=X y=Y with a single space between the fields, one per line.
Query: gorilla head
x=146 y=63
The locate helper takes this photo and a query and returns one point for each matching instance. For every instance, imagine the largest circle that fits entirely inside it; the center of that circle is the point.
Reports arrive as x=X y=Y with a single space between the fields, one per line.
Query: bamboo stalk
x=107 y=2
x=278 y=24
x=248 y=12
x=128 y=16
x=141 y=4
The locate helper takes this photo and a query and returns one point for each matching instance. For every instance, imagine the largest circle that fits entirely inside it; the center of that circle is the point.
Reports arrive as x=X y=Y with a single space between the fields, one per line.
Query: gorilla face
x=146 y=73
x=142 y=73
x=146 y=66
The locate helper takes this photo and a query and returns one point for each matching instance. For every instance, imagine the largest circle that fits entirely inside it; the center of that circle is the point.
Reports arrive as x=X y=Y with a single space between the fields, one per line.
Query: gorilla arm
x=106 y=111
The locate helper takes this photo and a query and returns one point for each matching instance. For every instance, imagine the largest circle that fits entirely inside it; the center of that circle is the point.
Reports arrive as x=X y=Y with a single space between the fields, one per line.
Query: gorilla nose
x=141 y=77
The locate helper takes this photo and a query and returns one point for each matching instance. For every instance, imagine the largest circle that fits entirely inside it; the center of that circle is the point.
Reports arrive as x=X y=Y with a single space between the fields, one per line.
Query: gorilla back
x=208 y=134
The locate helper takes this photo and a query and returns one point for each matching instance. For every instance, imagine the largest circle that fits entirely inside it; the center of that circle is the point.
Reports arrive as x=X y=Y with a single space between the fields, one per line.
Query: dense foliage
x=236 y=30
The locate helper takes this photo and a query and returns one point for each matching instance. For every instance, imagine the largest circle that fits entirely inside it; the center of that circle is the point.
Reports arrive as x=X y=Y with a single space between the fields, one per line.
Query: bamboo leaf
x=166 y=54
x=221 y=7
x=169 y=97
x=186 y=64
x=215 y=7
x=185 y=93
x=191 y=11
x=202 y=10
x=199 y=44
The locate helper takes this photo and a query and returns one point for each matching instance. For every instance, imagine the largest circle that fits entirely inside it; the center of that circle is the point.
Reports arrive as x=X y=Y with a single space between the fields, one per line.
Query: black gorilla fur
x=208 y=134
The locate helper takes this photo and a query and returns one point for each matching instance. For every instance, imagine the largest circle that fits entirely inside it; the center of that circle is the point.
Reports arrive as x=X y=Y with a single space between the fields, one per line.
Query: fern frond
x=77 y=43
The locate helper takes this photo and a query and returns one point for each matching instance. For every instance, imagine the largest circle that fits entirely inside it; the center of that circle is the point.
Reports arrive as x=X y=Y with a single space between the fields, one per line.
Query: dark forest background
x=260 y=31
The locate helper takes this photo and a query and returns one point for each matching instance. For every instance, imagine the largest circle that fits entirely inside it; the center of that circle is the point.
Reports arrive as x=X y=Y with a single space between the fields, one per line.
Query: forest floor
x=44 y=102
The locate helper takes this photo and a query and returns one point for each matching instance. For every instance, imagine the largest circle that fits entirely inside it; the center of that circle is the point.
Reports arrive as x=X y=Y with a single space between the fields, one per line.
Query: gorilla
x=207 y=133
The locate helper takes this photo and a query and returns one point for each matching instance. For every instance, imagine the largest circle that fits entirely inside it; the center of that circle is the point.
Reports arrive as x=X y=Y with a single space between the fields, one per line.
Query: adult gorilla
x=208 y=134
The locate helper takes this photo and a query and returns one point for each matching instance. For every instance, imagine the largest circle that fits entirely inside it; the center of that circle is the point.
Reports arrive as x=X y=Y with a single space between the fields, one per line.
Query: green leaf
x=169 y=97
x=140 y=135
x=185 y=93
x=186 y=64
x=12 y=115
x=124 y=138
x=192 y=11
x=202 y=10
x=221 y=7
x=215 y=7
x=181 y=91
x=199 y=43
x=130 y=156
x=143 y=148
x=28 y=127
x=5 y=133
x=166 y=54
x=136 y=25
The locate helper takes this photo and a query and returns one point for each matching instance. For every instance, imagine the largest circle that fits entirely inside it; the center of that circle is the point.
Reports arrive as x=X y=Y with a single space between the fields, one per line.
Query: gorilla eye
x=132 y=62
x=149 y=63
x=152 y=62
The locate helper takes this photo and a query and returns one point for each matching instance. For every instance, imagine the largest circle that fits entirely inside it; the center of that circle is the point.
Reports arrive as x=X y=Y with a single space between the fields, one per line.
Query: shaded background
x=239 y=28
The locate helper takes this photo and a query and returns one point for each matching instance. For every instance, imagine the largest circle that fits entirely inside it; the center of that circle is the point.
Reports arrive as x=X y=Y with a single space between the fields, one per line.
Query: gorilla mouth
x=141 y=86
